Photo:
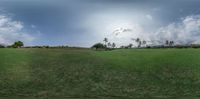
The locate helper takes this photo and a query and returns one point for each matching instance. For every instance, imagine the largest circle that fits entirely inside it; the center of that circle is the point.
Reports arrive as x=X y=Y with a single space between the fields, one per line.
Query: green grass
x=83 y=73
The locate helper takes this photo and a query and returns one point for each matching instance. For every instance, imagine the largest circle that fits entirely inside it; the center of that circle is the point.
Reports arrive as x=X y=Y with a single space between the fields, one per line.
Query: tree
x=171 y=43
x=113 y=45
x=144 y=42
x=139 y=42
x=98 y=46
x=122 y=46
x=2 y=46
x=105 y=40
x=18 y=44
x=109 y=44
x=130 y=45
x=167 y=42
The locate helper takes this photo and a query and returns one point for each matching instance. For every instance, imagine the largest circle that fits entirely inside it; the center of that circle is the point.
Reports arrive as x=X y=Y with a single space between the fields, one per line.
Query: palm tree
x=139 y=42
x=109 y=44
x=144 y=42
x=105 y=40
x=130 y=45
x=167 y=42
x=113 y=45
x=171 y=43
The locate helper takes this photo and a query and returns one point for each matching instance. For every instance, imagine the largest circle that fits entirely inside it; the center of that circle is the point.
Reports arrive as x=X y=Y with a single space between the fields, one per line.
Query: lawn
x=84 y=73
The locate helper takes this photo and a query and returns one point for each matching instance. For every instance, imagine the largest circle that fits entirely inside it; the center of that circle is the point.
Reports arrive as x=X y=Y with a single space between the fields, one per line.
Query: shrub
x=2 y=46
x=99 y=46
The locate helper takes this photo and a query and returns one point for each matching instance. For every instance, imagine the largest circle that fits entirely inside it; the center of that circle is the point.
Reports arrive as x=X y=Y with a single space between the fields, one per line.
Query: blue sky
x=85 y=22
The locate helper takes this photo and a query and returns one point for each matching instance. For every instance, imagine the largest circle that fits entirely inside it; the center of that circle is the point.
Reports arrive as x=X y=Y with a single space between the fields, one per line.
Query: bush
x=46 y=46
x=99 y=46
x=195 y=46
x=2 y=46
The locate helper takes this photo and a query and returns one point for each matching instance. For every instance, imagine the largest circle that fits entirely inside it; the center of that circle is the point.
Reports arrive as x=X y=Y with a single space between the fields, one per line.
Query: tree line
x=140 y=43
x=17 y=44
x=20 y=44
x=107 y=45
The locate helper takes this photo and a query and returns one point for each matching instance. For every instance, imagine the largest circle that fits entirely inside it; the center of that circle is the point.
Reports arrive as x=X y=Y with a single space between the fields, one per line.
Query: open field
x=84 y=73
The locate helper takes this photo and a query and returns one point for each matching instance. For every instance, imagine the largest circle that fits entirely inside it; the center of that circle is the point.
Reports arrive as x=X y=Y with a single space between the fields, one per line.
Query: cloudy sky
x=85 y=22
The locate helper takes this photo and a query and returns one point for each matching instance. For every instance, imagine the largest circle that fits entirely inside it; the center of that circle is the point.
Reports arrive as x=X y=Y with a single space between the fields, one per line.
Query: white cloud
x=124 y=34
x=113 y=25
x=156 y=9
x=149 y=17
x=184 y=32
x=11 y=31
x=33 y=26
x=118 y=27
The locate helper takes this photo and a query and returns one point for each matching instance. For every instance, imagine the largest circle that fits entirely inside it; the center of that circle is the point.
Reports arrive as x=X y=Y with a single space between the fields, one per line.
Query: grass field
x=83 y=73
